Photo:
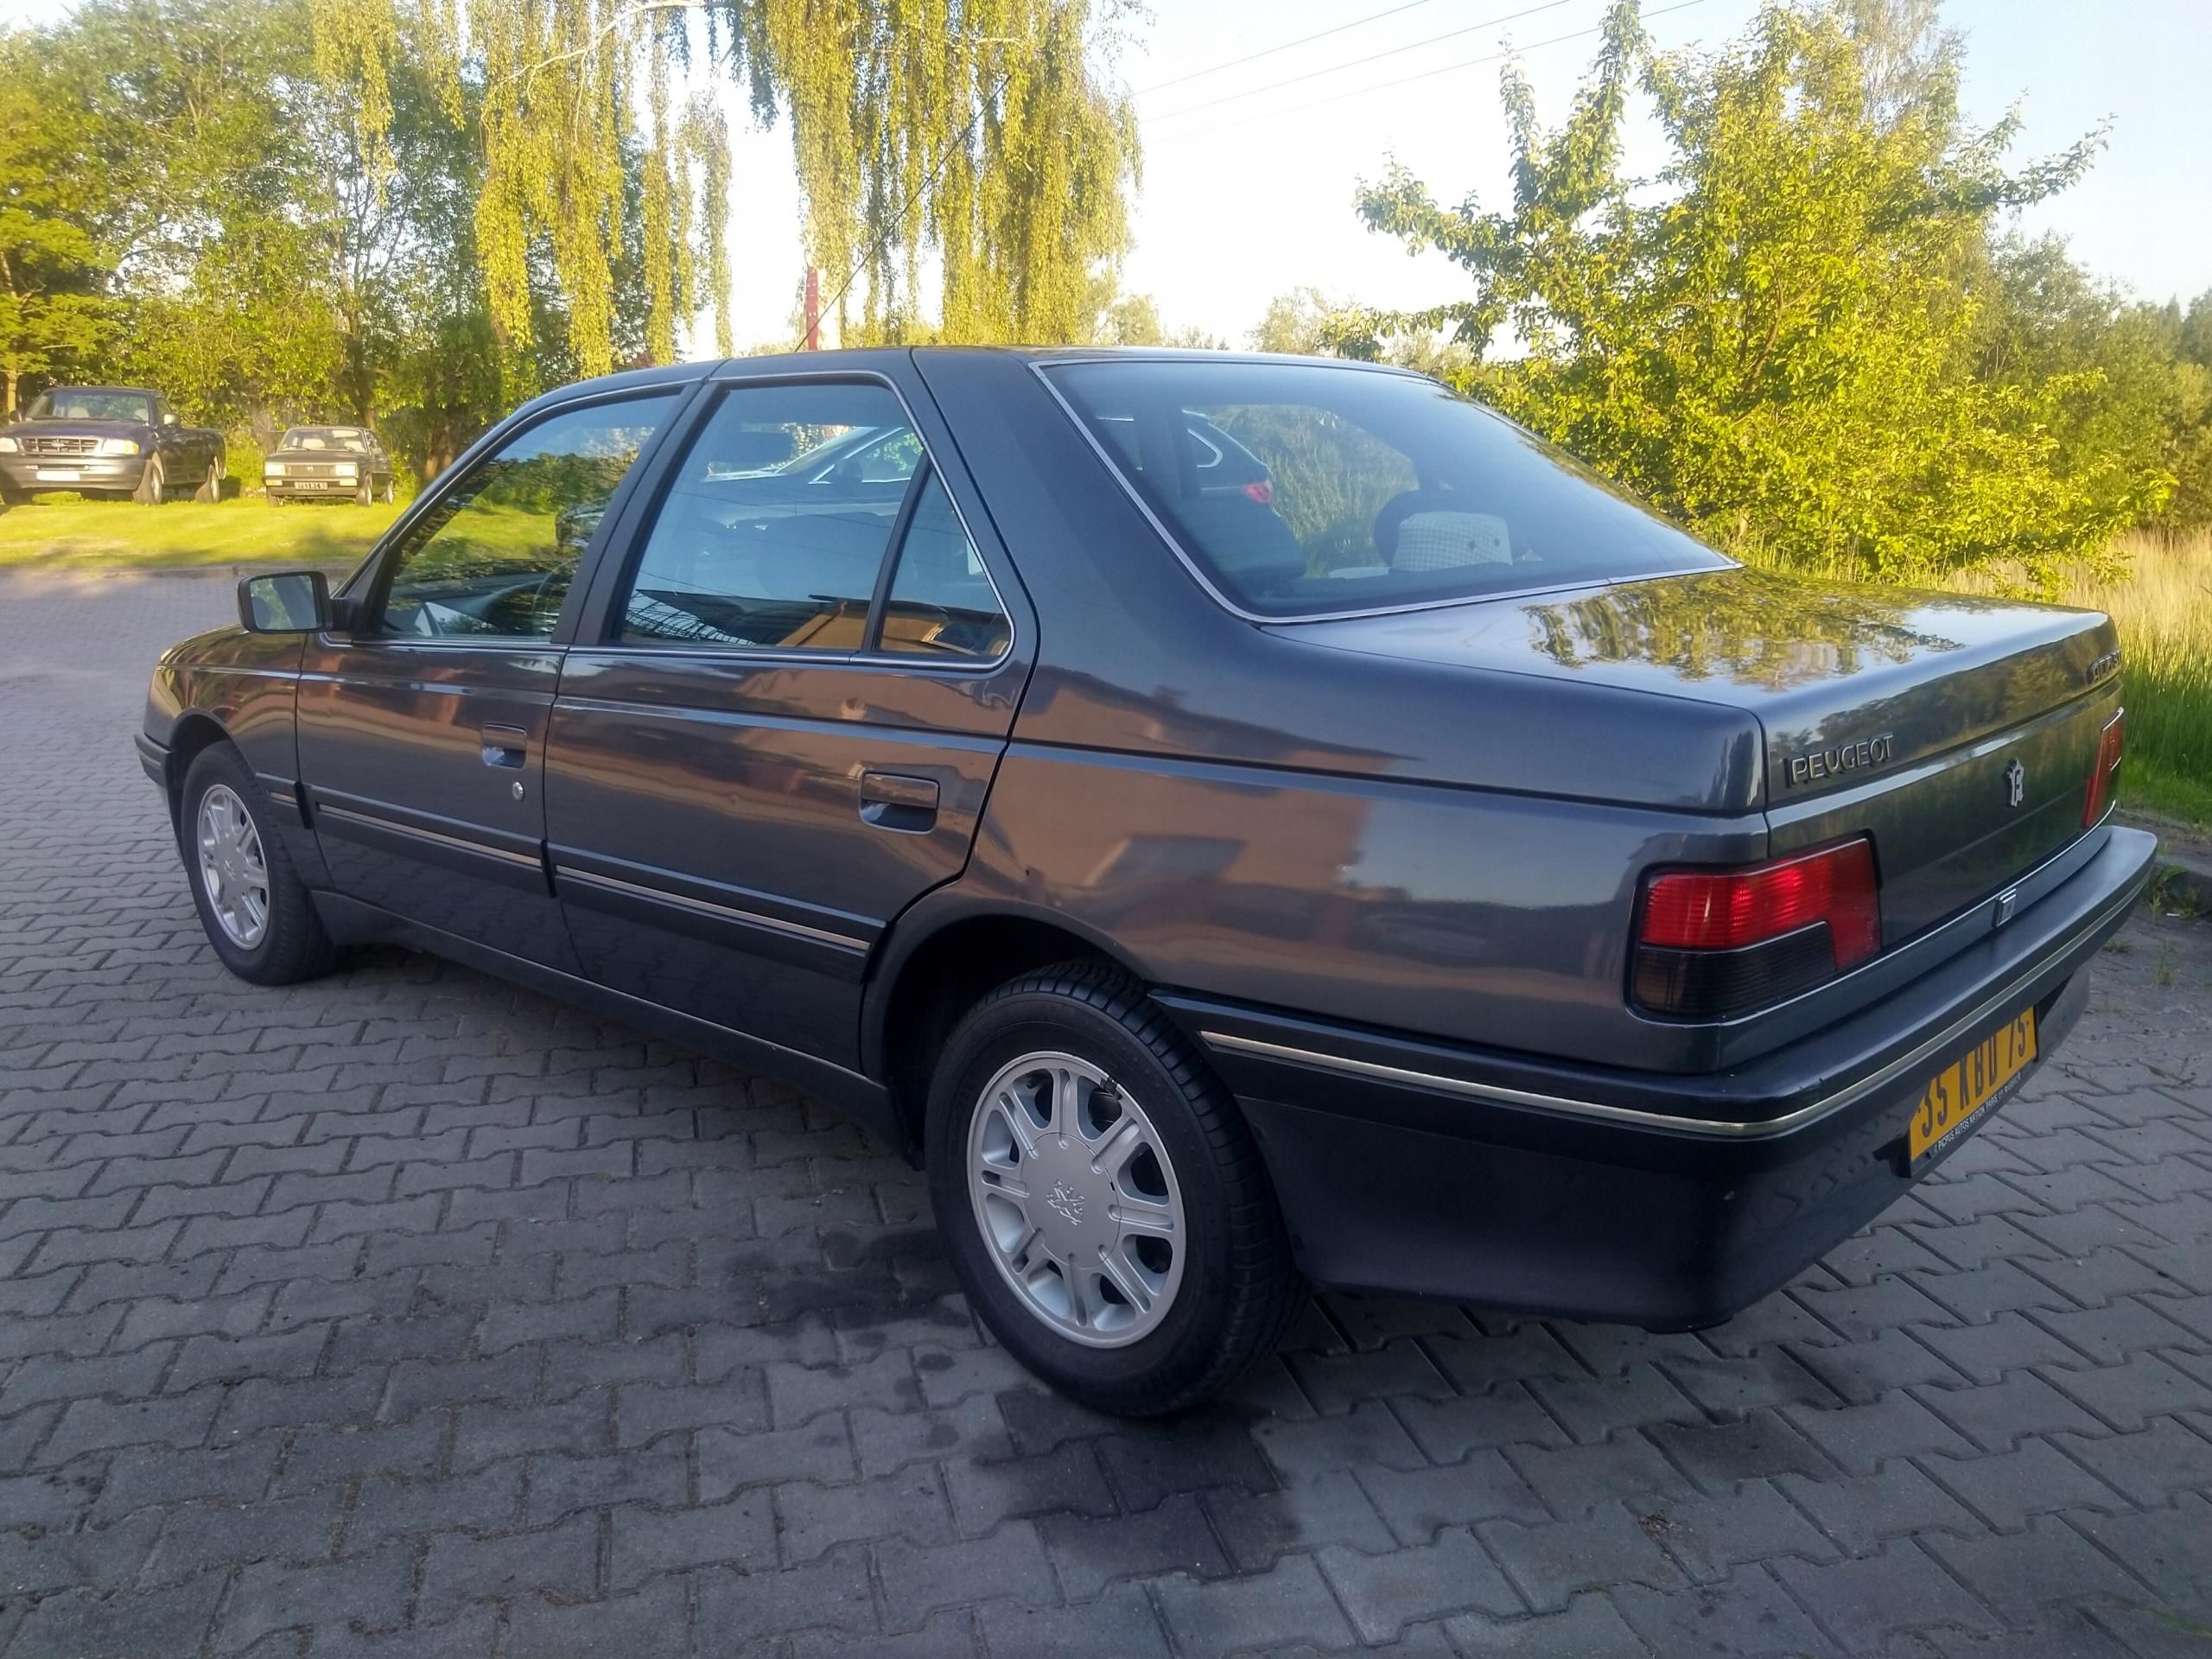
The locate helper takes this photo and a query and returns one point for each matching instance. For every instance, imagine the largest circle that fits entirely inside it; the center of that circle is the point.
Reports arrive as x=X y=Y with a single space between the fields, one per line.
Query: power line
x=1270 y=51
x=1442 y=69
x=1372 y=57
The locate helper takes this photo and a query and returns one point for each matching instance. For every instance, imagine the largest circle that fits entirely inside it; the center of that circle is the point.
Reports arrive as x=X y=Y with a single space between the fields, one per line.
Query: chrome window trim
x=721 y=385
x=1849 y=1095
x=1260 y=618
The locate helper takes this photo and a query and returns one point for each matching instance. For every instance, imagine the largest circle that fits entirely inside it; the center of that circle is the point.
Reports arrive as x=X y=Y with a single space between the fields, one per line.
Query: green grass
x=71 y=534
x=2163 y=608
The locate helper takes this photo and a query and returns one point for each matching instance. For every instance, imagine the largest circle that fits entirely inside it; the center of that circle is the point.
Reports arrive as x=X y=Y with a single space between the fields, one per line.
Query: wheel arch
x=195 y=732
x=935 y=968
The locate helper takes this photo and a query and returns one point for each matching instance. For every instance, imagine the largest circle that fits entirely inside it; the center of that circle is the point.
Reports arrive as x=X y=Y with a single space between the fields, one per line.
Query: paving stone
x=1590 y=1627
x=371 y=1590
x=1748 y=1616
x=917 y=1581
x=1752 y=1521
x=1090 y=1553
x=1118 y=1625
x=739 y=1534
x=459 y=1569
x=485 y=1501
x=1259 y=1529
x=2035 y=1478
x=1861 y=1511
x=2130 y=1394
x=1289 y=1603
x=812 y=1519
x=2020 y=1574
x=2167 y=1458
x=1418 y=1503
x=1866 y=1600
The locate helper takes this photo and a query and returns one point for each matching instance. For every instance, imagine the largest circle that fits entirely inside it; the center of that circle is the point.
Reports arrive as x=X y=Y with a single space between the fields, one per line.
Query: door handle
x=893 y=800
x=505 y=746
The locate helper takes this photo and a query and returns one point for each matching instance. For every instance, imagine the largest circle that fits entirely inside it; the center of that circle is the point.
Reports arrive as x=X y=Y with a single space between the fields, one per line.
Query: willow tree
x=982 y=131
x=977 y=133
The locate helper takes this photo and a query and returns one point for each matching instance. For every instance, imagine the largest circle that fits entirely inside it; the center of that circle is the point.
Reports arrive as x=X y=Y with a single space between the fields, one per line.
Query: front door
x=422 y=733
x=779 y=726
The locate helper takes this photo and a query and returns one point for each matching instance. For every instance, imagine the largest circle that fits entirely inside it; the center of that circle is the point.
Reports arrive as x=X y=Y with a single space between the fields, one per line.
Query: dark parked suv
x=1237 y=821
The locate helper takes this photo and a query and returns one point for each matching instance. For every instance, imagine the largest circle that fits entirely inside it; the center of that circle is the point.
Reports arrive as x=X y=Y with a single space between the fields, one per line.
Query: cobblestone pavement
x=407 y=1314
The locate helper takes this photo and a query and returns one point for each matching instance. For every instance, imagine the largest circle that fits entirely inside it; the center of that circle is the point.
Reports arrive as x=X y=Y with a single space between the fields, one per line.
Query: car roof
x=873 y=358
x=132 y=392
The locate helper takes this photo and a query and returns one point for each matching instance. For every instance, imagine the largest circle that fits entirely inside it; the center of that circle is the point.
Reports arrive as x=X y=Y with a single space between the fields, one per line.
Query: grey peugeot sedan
x=1237 y=823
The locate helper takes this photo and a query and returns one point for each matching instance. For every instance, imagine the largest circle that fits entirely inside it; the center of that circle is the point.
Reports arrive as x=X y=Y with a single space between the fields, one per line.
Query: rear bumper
x=1669 y=1202
x=72 y=472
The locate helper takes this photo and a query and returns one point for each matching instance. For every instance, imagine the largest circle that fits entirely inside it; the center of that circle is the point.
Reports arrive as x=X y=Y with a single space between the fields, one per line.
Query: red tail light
x=1716 y=941
x=2110 y=747
x=1261 y=491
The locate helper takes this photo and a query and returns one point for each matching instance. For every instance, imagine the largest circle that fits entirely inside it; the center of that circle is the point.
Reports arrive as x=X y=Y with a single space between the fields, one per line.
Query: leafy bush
x=1784 y=345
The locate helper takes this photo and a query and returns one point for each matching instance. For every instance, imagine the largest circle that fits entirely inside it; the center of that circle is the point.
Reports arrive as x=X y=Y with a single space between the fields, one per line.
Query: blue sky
x=1252 y=196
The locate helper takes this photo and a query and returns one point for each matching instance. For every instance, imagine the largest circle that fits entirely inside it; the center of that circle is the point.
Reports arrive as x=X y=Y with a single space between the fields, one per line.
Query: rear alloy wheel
x=210 y=488
x=1101 y=1197
x=365 y=495
x=153 y=484
x=256 y=911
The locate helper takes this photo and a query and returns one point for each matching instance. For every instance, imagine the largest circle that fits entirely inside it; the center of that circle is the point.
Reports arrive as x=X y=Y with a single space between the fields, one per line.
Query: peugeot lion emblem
x=2016 y=784
x=1067 y=1201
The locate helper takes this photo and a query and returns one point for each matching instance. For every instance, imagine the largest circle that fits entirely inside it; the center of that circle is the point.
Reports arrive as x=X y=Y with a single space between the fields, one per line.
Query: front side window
x=1305 y=490
x=773 y=531
x=494 y=558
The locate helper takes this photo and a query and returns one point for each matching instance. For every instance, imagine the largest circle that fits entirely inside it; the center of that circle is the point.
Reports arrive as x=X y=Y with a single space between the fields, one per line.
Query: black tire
x=293 y=945
x=153 y=484
x=1239 y=1288
x=14 y=497
x=210 y=488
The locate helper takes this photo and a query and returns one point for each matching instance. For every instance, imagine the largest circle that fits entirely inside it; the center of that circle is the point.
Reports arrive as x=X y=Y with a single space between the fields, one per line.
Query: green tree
x=1778 y=346
x=54 y=308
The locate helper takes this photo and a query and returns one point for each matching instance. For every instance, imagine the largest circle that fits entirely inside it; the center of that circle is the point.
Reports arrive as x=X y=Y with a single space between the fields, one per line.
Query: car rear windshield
x=1311 y=490
x=76 y=405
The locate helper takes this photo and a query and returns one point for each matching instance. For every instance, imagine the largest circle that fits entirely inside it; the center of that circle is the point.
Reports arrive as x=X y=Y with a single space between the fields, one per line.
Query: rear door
x=422 y=732
x=782 y=715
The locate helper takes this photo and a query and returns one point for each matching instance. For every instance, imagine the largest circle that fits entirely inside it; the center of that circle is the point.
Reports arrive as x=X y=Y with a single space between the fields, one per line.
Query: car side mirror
x=297 y=601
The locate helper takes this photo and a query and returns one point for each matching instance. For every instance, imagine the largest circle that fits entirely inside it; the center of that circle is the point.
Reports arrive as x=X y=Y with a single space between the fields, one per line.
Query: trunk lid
x=1959 y=732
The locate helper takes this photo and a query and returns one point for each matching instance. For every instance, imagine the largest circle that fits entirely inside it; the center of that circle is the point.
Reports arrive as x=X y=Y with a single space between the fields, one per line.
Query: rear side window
x=1306 y=490
x=775 y=529
x=775 y=533
x=941 y=602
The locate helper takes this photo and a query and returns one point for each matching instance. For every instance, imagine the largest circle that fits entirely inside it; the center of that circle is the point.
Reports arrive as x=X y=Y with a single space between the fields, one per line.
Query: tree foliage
x=417 y=211
x=1791 y=340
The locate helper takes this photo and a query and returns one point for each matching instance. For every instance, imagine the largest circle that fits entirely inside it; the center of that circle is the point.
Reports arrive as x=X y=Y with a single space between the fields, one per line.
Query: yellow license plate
x=1962 y=1091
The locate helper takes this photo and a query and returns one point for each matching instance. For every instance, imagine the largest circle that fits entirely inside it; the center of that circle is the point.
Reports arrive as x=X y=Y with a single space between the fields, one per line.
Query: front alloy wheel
x=1076 y=1196
x=233 y=869
x=258 y=914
